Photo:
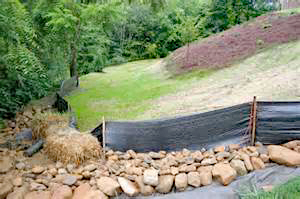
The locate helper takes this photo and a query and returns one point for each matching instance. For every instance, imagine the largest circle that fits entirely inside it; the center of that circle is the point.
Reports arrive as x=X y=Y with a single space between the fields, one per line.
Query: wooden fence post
x=253 y=119
x=103 y=137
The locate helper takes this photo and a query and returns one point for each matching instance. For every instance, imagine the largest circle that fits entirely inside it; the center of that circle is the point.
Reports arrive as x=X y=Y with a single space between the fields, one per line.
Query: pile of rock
x=139 y=173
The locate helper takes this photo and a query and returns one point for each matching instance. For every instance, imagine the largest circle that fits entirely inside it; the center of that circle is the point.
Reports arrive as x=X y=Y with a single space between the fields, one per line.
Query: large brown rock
x=95 y=194
x=257 y=163
x=165 y=184
x=181 y=182
x=151 y=177
x=38 y=169
x=18 y=193
x=194 y=179
x=6 y=163
x=239 y=166
x=206 y=178
x=63 y=192
x=146 y=190
x=38 y=195
x=5 y=189
x=128 y=187
x=108 y=186
x=247 y=161
x=224 y=173
x=283 y=155
x=81 y=191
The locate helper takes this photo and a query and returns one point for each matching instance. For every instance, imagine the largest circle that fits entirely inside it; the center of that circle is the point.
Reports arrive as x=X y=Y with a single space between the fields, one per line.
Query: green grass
x=289 y=12
x=1 y=124
x=290 y=190
x=123 y=92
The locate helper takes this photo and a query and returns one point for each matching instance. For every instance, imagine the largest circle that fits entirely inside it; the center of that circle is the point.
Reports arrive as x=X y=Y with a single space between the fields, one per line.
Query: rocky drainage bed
x=136 y=174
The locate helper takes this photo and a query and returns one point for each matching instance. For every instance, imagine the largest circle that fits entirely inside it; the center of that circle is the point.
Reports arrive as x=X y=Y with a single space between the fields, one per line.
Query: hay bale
x=47 y=124
x=72 y=147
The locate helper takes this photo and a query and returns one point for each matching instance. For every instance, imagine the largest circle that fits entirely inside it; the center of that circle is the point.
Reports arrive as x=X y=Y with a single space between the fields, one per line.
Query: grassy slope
x=123 y=92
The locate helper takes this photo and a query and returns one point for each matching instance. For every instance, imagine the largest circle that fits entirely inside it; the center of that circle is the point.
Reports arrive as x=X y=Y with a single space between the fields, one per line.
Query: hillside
x=143 y=89
x=237 y=43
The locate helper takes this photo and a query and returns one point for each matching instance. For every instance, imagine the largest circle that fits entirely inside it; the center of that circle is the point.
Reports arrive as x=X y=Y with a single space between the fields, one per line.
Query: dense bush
x=44 y=41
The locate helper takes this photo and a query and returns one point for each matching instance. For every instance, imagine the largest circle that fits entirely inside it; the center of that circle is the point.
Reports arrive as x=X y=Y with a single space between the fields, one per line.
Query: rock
x=20 y=165
x=90 y=167
x=165 y=184
x=283 y=155
x=194 y=179
x=224 y=173
x=206 y=178
x=63 y=192
x=134 y=171
x=37 y=169
x=37 y=186
x=292 y=144
x=247 y=161
x=189 y=160
x=151 y=177
x=208 y=153
x=222 y=155
x=186 y=152
x=257 y=163
x=5 y=189
x=187 y=168
x=146 y=190
x=131 y=153
x=18 y=193
x=233 y=147
x=219 y=149
x=181 y=182
x=70 y=180
x=197 y=156
x=239 y=166
x=155 y=155
x=38 y=195
x=174 y=170
x=70 y=168
x=52 y=171
x=113 y=158
x=86 y=174
x=108 y=186
x=252 y=149
x=59 y=165
x=209 y=161
x=128 y=187
x=6 y=163
x=62 y=171
x=264 y=158
x=81 y=191
x=18 y=181
x=92 y=194
x=205 y=169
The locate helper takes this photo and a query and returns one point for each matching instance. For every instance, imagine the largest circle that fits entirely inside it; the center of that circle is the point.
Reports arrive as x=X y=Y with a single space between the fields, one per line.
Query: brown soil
x=236 y=43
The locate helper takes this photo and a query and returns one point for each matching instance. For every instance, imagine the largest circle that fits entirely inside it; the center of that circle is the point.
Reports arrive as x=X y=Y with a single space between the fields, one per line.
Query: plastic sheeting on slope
x=273 y=175
x=210 y=129
x=277 y=122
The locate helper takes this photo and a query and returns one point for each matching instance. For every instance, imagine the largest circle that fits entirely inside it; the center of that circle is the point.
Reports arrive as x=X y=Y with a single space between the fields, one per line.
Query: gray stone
x=239 y=166
x=151 y=177
x=70 y=180
x=128 y=187
x=20 y=165
x=91 y=167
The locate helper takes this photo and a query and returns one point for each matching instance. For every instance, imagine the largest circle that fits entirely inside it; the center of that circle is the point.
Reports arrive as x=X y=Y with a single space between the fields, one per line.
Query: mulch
x=237 y=43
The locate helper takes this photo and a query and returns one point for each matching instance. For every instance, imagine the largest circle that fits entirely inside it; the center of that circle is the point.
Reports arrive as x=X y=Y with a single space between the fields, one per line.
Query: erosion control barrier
x=275 y=122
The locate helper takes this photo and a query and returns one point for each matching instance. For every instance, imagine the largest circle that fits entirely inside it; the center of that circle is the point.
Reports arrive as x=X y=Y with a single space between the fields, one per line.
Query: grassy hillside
x=124 y=91
x=143 y=89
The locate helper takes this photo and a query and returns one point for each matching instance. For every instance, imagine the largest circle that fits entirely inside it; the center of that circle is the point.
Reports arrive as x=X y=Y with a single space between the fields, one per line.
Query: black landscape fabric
x=193 y=132
x=277 y=122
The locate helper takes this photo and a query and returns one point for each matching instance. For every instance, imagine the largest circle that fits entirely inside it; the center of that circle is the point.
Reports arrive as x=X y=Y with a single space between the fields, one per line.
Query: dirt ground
x=270 y=75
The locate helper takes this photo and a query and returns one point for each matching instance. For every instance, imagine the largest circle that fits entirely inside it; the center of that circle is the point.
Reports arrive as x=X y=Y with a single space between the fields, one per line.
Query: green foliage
x=44 y=41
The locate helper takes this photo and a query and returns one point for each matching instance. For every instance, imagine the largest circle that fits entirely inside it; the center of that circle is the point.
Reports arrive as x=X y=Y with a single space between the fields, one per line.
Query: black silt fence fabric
x=277 y=122
x=210 y=129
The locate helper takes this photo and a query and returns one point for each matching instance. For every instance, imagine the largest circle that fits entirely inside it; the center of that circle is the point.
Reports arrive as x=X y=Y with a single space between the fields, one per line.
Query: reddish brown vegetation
x=241 y=41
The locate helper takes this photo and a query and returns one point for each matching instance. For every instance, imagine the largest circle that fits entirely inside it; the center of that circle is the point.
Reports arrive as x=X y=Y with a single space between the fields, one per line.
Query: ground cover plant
x=289 y=190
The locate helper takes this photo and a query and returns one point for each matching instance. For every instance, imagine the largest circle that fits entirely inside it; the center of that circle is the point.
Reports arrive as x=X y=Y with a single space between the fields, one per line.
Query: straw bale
x=70 y=146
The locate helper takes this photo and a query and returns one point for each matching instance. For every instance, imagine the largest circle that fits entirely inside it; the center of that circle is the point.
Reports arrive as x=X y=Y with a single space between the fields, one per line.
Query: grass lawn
x=290 y=190
x=123 y=92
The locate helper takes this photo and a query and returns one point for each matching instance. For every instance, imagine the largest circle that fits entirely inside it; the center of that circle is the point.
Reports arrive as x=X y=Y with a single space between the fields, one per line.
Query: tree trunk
x=74 y=54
